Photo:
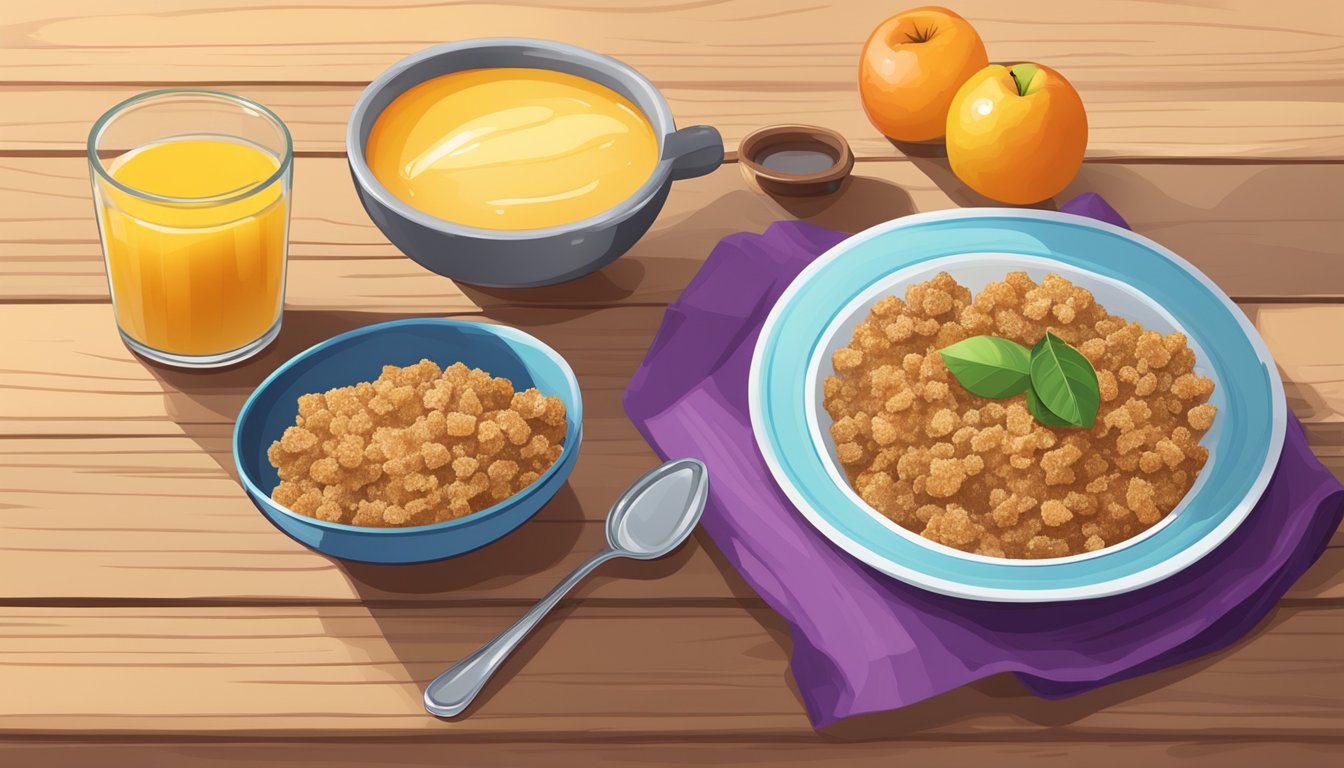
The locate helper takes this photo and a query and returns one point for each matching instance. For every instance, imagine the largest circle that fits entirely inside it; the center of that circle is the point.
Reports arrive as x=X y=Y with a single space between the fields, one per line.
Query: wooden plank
x=156 y=492
x=1256 y=230
x=1160 y=79
x=50 y=239
x=716 y=673
x=89 y=427
x=1125 y=121
x=115 y=541
x=70 y=373
x=80 y=512
x=781 y=752
x=163 y=518
x=313 y=671
x=1294 y=334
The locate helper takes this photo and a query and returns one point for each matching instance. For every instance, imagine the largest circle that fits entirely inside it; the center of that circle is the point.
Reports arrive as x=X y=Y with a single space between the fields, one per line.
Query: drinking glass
x=192 y=194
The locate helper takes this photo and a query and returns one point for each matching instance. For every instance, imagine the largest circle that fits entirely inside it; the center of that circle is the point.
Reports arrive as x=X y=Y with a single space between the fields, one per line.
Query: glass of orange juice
x=192 y=192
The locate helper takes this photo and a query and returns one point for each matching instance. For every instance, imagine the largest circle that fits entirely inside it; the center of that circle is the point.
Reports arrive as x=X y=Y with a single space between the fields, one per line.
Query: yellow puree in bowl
x=512 y=148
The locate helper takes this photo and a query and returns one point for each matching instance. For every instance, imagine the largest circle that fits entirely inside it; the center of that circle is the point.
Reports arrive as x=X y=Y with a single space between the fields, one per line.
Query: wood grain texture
x=593 y=674
x=90 y=428
x=1126 y=123
x=329 y=752
x=149 y=616
x=1256 y=230
x=1295 y=335
x=107 y=538
x=70 y=374
x=82 y=513
x=1160 y=79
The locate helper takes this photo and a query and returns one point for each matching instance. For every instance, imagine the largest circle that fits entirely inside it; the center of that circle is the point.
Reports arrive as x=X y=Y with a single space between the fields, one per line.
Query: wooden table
x=150 y=616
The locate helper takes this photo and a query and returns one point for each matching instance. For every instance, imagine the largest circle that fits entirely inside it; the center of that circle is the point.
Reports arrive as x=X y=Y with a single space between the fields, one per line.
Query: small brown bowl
x=795 y=160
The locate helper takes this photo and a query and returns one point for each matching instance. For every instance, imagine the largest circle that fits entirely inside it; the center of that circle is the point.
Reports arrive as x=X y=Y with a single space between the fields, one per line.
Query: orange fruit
x=911 y=68
x=1016 y=134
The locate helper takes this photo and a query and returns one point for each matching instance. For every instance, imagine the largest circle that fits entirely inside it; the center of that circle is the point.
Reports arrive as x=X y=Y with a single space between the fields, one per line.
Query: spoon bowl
x=641 y=524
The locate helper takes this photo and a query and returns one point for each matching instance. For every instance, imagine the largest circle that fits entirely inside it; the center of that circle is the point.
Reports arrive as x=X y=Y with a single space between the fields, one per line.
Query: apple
x=912 y=66
x=1016 y=134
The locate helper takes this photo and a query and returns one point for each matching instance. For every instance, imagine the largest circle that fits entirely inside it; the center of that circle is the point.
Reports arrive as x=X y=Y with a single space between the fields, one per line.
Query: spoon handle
x=452 y=692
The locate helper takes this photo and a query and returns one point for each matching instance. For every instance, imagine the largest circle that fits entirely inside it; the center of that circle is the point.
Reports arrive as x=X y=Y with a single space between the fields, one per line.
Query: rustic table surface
x=150 y=616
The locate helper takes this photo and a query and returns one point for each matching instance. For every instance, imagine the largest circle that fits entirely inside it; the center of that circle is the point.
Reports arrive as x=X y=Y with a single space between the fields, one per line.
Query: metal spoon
x=652 y=518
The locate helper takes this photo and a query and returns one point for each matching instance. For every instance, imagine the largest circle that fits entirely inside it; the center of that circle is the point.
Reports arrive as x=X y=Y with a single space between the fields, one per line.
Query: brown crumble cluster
x=417 y=446
x=982 y=475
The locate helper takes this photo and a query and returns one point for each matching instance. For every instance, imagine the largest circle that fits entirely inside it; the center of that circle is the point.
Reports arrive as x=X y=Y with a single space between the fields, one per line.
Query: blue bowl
x=360 y=356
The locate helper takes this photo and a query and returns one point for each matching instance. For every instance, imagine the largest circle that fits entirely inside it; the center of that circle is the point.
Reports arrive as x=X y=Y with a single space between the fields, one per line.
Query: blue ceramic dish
x=360 y=356
x=1130 y=275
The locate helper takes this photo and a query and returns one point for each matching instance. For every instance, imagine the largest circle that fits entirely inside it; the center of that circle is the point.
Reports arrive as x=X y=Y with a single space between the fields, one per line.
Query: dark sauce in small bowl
x=796 y=160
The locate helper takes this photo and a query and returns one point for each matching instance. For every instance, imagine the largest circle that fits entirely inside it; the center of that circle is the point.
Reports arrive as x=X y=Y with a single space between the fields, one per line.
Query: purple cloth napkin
x=863 y=642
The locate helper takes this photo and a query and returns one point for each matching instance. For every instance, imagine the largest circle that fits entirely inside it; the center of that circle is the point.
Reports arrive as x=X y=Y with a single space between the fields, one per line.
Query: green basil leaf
x=1064 y=381
x=1041 y=413
x=988 y=366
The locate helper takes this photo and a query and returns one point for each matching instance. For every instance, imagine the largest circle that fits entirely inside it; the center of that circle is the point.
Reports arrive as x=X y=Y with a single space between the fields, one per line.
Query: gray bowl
x=531 y=257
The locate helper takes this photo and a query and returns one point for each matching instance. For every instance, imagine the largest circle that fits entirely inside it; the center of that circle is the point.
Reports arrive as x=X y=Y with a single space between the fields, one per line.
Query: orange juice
x=196 y=255
x=512 y=148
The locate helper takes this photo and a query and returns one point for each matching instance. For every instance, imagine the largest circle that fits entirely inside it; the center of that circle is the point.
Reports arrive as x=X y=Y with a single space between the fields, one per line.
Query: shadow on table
x=609 y=285
x=860 y=203
x=666 y=258
x=1001 y=700
x=204 y=403
x=1127 y=190
x=931 y=158
x=1003 y=696
x=558 y=538
x=404 y=630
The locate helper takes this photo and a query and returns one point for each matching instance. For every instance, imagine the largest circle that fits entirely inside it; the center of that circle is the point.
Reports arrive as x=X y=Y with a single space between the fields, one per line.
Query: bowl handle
x=694 y=151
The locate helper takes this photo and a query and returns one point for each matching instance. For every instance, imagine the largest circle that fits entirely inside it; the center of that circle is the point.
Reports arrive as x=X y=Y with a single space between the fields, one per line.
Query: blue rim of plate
x=1252 y=423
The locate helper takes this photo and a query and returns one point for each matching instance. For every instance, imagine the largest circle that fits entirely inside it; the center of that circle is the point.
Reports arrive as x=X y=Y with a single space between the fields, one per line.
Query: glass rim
x=96 y=132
